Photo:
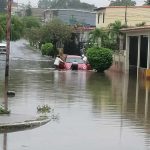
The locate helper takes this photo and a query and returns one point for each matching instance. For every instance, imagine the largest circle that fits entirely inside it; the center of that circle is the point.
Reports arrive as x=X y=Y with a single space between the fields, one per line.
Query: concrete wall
x=135 y=15
x=71 y=16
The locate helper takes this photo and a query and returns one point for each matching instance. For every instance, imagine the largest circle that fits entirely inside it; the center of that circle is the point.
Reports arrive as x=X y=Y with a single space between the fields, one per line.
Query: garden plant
x=99 y=58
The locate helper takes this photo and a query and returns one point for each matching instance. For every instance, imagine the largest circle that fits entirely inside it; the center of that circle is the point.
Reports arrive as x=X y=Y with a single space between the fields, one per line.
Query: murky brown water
x=96 y=111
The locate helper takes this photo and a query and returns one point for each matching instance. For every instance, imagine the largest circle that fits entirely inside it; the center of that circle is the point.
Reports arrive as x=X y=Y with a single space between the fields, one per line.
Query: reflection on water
x=97 y=111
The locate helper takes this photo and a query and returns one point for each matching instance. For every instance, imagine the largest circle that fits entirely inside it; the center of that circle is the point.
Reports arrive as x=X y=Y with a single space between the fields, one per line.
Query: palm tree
x=114 y=32
x=96 y=36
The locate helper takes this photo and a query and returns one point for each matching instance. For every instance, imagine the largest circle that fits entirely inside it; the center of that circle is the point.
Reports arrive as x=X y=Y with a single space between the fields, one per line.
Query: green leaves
x=61 y=4
x=16 y=27
x=47 y=49
x=122 y=3
x=3 y=110
x=99 y=58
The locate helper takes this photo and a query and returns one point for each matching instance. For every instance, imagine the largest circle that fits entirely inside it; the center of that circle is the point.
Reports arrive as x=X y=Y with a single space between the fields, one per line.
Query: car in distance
x=2 y=48
x=74 y=62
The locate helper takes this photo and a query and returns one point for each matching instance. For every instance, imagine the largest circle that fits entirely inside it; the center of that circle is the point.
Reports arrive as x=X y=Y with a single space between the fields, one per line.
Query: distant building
x=71 y=16
x=17 y=9
x=14 y=8
x=38 y=13
x=83 y=22
x=131 y=15
x=2 y=6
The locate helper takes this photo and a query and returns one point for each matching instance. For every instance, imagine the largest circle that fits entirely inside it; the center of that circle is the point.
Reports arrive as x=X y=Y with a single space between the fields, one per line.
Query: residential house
x=137 y=51
x=14 y=8
x=3 y=6
x=18 y=9
x=38 y=13
x=71 y=16
x=130 y=15
x=83 y=21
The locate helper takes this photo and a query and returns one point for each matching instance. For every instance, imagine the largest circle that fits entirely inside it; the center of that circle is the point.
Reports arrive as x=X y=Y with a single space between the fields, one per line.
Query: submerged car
x=74 y=62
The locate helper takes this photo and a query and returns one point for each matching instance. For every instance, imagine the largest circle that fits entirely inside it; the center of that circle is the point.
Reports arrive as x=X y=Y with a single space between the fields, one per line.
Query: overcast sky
x=97 y=3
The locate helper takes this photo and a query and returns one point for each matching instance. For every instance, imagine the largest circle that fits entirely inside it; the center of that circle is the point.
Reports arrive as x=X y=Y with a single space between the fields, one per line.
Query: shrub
x=3 y=110
x=47 y=49
x=99 y=58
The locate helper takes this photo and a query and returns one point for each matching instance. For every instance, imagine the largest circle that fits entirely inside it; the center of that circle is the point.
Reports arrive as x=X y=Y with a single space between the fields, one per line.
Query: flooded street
x=96 y=111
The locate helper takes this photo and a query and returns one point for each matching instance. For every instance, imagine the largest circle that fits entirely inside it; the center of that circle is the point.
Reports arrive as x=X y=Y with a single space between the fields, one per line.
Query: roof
x=77 y=10
x=3 y=44
x=135 y=29
x=101 y=8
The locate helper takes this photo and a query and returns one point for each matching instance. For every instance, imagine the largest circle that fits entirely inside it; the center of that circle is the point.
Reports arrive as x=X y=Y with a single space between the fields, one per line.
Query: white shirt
x=57 y=61
x=85 y=59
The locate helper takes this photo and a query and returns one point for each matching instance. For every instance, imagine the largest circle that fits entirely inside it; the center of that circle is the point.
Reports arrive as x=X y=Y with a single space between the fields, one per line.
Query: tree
x=60 y=4
x=114 y=32
x=2 y=26
x=122 y=3
x=16 y=28
x=44 y=4
x=147 y=2
x=28 y=11
x=33 y=35
x=96 y=37
x=55 y=32
x=1 y=33
x=30 y=22
x=106 y=37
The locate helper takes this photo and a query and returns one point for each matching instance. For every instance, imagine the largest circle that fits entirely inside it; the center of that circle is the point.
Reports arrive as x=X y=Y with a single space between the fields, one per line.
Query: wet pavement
x=15 y=118
x=19 y=119
x=96 y=111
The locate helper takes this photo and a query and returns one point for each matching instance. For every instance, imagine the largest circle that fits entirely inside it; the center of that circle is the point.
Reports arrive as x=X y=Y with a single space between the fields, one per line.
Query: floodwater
x=96 y=111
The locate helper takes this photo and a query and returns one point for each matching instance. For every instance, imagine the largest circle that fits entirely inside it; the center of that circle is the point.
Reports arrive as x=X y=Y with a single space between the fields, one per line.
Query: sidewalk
x=15 y=122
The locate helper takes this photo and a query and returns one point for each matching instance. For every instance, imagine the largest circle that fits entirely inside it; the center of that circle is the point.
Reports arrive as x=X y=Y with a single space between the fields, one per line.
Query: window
x=99 y=17
x=103 y=17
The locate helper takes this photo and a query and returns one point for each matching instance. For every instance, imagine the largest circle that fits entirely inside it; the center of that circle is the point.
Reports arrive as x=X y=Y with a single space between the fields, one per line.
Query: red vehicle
x=74 y=62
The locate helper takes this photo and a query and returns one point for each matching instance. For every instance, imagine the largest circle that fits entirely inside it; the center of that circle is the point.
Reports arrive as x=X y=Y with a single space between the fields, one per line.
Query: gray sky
x=98 y=3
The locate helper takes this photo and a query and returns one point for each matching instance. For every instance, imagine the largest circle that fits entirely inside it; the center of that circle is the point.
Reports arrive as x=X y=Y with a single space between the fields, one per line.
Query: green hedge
x=99 y=58
x=47 y=49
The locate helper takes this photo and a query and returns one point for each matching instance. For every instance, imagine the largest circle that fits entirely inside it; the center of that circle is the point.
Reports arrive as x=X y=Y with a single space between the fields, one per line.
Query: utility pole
x=9 y=3
x=126 y=13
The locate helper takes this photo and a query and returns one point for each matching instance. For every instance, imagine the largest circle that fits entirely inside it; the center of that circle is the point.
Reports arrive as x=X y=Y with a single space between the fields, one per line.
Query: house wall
x=71 y=16
x=37 y=13
x=134 y=15
x=143 y=49
x=2 y=6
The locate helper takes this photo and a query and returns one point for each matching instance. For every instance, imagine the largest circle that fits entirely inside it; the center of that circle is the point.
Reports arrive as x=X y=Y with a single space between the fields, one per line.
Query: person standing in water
x=57 y=62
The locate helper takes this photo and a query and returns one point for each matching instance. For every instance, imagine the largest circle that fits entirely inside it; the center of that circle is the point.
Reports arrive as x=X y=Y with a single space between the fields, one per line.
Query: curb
x=20 y=126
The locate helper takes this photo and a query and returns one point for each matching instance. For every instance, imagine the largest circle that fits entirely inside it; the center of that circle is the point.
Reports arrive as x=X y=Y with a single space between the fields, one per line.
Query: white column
x=137 y=94
x=139 y=47
x=146 y=104
x=148 y=53
x=127 y=54
x=121 y=42
x=125 y=92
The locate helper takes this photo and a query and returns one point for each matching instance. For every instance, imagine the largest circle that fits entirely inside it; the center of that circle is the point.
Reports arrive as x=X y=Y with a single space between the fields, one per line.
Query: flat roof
x=135 y=29
x=101 y=8
x=3 y=44
x=77 y=10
